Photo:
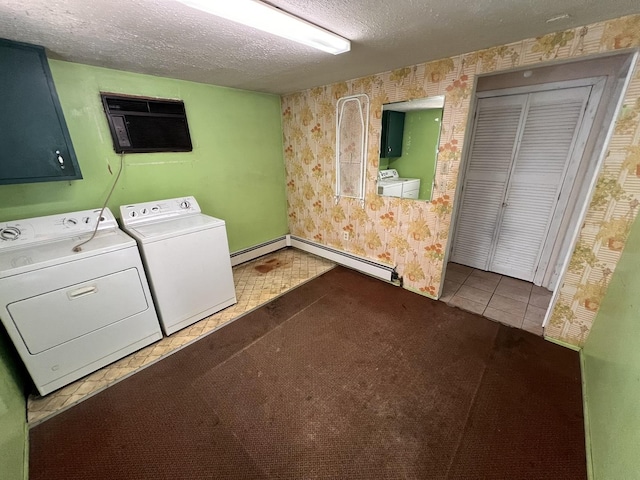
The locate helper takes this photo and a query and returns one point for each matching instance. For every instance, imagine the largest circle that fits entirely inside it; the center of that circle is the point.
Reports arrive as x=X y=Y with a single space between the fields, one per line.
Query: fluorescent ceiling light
x=273 y=20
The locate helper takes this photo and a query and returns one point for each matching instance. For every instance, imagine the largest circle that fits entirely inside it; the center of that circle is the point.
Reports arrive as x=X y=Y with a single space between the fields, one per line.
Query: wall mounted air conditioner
x=140 y=124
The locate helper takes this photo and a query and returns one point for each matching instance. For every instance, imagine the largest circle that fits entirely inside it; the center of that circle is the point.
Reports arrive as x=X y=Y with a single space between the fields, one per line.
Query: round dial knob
x=144 y=211
x=10 y=233
x=70 y=222
x=185 y=204
x=86 y=220
x=133 y=214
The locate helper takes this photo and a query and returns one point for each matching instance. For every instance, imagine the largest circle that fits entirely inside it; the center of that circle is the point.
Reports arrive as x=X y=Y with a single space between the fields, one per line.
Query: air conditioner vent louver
x=142 y=125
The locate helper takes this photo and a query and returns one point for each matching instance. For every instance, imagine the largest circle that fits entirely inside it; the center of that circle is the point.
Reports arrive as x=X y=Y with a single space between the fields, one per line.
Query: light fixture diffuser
x=275 y=21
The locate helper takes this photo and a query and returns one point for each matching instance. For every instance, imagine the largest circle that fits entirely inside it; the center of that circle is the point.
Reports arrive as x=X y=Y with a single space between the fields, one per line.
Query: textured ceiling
x=167 y=38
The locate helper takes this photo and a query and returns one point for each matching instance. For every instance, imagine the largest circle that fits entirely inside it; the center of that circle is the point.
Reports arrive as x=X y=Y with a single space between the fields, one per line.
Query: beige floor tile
x=514 y=291
x=513 y=320
x=533 y=327
x=540 y=300
x=508 y=305
x=69 y=389
x=486 y=284
x=535 y=314
x=86 y=388
x=459 y=268
x=73 y=399
x=516 y=283
x=449 y=290
x=35 y=416
x=468 y=305
x=514 y=302
x=489 y=276
x=474 y=294
x=455 y=276
x=540 y=290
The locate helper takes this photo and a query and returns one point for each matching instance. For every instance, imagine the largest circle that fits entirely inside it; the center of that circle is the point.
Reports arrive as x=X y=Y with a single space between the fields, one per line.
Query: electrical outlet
x=345 y=235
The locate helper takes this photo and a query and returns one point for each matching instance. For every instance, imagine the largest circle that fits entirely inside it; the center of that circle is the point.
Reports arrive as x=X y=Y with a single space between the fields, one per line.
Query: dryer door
x=56 y=317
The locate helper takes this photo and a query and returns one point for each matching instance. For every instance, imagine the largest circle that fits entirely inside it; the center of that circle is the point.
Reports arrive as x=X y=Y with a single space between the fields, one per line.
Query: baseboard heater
x=363 y=265
x=256 y=251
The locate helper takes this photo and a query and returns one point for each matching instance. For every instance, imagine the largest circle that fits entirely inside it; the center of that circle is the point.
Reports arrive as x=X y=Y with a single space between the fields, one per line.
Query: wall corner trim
x=585 y=415
x=577 y=348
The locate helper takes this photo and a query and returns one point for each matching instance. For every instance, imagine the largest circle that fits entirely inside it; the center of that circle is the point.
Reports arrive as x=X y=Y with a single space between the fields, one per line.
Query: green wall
x=611 y=372
x=13 y=416
x=235 y=171
x=419 y=147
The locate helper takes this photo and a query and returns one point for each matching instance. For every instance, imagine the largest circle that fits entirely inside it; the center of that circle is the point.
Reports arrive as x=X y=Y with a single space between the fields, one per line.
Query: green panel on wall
x=35 y=141
x=235 y=171
x=419 y=148
x=611 y=359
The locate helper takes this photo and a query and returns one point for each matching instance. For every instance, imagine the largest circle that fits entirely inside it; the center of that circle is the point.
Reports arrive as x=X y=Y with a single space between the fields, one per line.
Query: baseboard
x=383 y=272
x=251 y=253
x=585 y=414
x=563 y=344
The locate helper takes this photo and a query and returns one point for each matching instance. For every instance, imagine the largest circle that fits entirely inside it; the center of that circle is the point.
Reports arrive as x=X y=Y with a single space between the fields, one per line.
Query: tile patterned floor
x=256 y=283
x=504 y=299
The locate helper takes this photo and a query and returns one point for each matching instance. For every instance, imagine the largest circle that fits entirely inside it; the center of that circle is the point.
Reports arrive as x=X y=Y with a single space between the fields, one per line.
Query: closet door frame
x=569 y=185
x=597 y=84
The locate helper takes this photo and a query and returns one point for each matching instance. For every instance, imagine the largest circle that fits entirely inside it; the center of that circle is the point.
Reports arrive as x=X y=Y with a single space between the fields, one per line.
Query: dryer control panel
x=39 y=229
x=139 y=213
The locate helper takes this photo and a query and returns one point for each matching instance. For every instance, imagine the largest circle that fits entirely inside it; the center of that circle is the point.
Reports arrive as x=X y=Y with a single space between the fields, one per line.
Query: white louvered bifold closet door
x=520 y=151
x=491 y=156
x=550 y=129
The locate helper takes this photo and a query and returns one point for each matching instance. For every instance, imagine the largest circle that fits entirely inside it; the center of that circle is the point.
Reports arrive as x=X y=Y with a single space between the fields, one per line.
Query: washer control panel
x=51 y=227
x=138 y=213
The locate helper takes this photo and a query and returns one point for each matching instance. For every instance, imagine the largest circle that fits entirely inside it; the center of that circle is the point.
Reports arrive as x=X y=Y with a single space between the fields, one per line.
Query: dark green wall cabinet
x=392 y=131
x=35 y=141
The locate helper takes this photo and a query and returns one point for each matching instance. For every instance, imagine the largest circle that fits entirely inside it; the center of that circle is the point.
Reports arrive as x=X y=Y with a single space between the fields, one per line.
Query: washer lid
x=45 y=254
x=390 y=181
x=152 y=232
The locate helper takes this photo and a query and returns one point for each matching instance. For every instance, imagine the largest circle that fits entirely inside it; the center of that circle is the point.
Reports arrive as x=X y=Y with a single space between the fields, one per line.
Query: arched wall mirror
x=409 y=147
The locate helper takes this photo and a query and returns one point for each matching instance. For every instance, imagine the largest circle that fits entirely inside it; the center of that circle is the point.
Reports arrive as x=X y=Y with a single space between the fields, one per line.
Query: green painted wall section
x=419 y=148
x=235 y=171
x=611 y=359
x=13 y=424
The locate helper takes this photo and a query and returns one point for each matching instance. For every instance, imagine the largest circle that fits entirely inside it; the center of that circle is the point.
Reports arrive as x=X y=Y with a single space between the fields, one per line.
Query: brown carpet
x=345 y=377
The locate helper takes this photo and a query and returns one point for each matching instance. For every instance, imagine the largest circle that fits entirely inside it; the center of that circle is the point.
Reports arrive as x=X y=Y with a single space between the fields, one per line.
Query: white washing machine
x=70 y=313
x=186 y=256
x=390 y=184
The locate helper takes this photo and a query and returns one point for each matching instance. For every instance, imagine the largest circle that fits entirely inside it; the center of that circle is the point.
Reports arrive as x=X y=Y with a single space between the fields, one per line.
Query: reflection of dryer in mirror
x=414 y=145
x=390 y=184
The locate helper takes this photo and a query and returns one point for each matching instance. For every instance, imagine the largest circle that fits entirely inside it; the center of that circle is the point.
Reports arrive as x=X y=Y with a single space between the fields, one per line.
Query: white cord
x=78 y=247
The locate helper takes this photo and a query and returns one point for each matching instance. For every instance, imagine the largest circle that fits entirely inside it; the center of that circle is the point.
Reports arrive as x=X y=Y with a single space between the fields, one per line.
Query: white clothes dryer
x=186 y=256
x=70 y=313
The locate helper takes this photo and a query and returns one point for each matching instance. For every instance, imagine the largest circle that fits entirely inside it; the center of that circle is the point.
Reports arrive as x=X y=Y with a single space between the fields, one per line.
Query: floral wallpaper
x=413 y=235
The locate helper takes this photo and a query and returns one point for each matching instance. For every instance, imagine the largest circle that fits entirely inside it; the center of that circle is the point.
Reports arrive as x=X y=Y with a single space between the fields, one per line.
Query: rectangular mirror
x=409 y=147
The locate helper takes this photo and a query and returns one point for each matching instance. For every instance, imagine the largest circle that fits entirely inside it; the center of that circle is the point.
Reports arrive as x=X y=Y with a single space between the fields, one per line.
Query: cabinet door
x=392 y=132
x=493 y=144
x=36 y=145
x=544 y=152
